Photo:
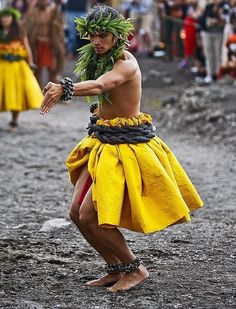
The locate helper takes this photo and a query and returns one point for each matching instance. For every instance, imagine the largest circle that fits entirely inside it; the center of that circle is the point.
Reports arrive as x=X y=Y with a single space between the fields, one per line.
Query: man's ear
x=115 y=40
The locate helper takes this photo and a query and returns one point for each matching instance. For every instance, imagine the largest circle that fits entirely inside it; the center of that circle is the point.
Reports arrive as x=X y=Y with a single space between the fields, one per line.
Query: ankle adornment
x=123 y=268
x=112 y=268
x=127 y=268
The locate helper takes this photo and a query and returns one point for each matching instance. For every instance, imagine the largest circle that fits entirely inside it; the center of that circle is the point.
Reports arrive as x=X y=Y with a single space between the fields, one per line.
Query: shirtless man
x=109 y=191
x=123 y=84
x=45 y=35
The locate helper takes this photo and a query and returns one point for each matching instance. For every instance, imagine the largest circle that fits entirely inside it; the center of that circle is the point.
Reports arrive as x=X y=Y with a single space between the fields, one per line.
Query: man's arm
x=123 y=71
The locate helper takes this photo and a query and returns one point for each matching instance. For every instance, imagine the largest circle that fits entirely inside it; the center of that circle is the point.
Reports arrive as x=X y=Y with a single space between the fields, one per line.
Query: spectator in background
x=189 y=35
x=174 y=13
x=74 y=9
x=229 y=8
x=212 y=25
x=58 y=38
x=199 y=69
x=45 y=30
x=229 y=67
x=142 y=12
x=126 y=7
x=19 y=90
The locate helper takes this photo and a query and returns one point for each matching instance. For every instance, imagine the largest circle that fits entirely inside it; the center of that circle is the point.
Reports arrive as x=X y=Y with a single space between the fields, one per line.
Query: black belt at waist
x=142 y=133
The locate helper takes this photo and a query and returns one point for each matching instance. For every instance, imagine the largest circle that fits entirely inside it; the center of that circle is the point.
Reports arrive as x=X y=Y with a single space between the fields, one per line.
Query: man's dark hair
x=103 y=11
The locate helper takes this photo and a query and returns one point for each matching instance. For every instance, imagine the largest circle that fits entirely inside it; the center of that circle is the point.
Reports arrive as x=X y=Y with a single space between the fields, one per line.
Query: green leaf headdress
x=101 y=18
x=10 y=11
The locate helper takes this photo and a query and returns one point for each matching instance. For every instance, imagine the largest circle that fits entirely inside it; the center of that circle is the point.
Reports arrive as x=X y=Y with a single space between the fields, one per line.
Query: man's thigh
x=87 y=212
x=79 y=187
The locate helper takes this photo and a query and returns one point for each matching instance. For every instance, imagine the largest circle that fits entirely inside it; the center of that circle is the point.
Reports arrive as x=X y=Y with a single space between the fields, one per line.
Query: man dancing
x=124 y=175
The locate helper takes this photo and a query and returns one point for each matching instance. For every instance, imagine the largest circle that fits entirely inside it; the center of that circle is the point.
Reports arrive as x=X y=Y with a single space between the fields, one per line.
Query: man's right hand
x=52 y=94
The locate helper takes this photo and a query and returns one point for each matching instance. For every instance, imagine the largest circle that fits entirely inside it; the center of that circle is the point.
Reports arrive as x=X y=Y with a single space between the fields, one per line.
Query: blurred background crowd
x=197 y=35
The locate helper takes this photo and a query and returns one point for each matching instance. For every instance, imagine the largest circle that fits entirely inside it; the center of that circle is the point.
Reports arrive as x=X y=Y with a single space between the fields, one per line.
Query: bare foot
x=130 y=280
x=107 y=280
x=13 y=126
x=12 y=129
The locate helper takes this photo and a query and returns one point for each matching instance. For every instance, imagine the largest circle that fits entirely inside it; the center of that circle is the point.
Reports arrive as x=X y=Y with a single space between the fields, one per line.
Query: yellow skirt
x=19 y=89
x=141 y=187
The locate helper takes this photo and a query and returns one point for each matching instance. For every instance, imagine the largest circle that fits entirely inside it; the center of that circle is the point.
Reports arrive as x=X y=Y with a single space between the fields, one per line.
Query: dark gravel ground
x=191 y=265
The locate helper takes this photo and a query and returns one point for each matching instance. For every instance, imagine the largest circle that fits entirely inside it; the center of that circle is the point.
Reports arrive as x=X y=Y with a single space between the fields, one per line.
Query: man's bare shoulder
x=127 y=63
x=129 y=56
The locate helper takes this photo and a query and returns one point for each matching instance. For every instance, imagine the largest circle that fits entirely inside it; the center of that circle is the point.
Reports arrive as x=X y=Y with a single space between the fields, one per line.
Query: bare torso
x=123 y=84
x=43 y=24
x=125 y=98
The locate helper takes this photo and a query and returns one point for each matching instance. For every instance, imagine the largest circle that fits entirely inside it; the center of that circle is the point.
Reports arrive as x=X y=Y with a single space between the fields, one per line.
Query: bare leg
x=114 y=240
x=14 y=122
x=110 y=238
x=107 y=255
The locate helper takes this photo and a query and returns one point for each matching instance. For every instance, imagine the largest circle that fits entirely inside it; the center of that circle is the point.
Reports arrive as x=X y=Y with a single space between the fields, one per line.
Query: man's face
x=102 y=42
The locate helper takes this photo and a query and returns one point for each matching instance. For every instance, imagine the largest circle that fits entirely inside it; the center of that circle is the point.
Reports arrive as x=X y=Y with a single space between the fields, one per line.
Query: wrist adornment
x=68 y=89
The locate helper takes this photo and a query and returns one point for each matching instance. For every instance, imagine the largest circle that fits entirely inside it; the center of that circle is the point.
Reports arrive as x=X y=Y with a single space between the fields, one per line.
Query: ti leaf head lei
x=10 y=12
x=99 y=19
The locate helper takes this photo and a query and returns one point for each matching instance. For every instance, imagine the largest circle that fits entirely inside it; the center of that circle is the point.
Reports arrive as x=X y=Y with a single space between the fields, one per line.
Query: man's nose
x=96 y=40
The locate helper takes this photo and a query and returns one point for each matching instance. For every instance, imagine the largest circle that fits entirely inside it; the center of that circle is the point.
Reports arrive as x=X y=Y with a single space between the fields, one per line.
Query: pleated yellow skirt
x=19 y=89
x=141 y=187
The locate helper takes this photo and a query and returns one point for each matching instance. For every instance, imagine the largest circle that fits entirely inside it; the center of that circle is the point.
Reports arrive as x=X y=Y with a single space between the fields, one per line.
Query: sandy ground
x=191 y=265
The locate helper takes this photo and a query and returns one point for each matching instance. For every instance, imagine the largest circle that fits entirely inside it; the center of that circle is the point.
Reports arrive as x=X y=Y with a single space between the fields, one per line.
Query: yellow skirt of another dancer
x=19 y=89
x=141 y=187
